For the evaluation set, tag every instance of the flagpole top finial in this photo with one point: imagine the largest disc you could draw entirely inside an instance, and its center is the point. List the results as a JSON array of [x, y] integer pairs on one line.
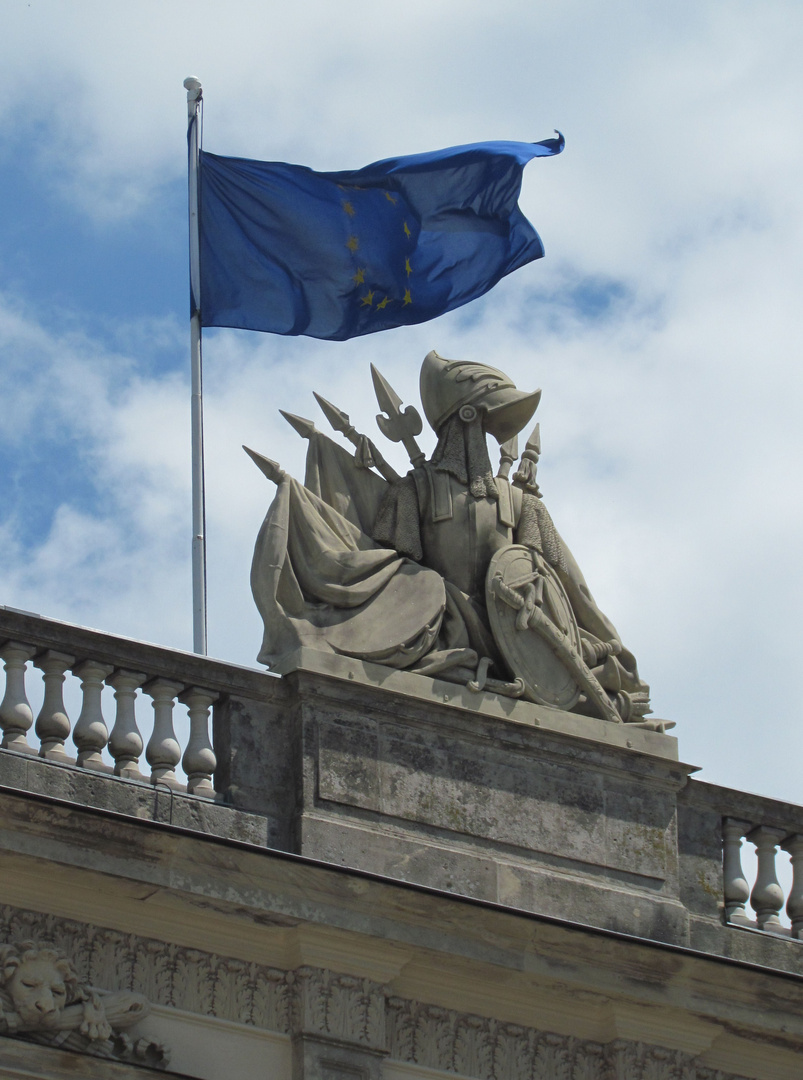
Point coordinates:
[[193, 87]]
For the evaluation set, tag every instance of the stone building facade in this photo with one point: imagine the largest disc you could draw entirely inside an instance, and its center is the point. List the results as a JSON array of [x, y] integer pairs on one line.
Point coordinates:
[[370, 875]]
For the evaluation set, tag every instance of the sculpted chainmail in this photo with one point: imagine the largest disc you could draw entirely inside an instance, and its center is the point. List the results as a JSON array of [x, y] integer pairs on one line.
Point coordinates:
[[397, 522], [463, 453], [537, 530]]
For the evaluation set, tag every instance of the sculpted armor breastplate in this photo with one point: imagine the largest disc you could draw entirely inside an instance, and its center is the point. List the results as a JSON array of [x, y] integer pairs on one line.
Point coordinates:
[[460, 533]]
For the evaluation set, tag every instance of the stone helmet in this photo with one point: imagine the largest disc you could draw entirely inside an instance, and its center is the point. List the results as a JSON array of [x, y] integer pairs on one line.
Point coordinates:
[[449, 386]]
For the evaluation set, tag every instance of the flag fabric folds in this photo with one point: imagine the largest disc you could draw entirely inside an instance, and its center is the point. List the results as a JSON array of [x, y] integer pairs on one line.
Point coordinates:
[[334, 255]]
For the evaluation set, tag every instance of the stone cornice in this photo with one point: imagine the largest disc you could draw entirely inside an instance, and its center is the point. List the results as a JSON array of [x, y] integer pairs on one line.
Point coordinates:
[[350, 1010]]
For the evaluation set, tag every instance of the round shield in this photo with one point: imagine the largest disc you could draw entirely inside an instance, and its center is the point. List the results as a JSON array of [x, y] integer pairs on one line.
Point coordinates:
[[533, 625]]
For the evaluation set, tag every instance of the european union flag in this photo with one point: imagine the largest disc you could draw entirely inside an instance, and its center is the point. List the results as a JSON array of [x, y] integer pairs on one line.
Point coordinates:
[[334, 255]]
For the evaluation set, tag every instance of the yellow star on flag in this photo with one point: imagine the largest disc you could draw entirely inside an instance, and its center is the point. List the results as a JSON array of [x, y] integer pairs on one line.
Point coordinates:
[[391, 198], [407, 267], [359, 277], [407, 232], [349, 208], [407, 298], [368, 299], [383, 303], [352, 244]]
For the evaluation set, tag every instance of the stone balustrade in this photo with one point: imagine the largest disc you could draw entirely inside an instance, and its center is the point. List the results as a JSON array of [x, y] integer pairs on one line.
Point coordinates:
[[91, 735], [299, 762], [138, 742], [766, 897]]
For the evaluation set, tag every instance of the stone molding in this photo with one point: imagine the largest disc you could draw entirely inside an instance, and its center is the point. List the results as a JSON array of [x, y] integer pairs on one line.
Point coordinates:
[[342, 1008]]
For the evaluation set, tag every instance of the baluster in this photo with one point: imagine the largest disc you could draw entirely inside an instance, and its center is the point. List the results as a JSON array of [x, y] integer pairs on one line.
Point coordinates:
[[737, 891], [767, 895], [199, 761], [90, 734], [794, 905], [53, 723], [163, 751], [125, 741], [16, 715]]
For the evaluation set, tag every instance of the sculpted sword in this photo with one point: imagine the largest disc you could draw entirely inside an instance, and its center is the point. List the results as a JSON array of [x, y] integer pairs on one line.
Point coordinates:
[[398, 425]]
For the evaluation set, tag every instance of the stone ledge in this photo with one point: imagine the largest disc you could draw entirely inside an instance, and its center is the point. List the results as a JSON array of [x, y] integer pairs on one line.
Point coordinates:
[[439, 692], [573, 893], [131, 798], [20, 1060]]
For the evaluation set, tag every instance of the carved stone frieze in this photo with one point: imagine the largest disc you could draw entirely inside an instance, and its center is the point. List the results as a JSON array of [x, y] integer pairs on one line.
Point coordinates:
[[437, 1038], [341, 1007], [337, 1008], [42, 1000], [165, 974]]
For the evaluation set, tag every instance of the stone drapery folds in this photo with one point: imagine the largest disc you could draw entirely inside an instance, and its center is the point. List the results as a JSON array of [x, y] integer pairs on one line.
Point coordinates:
[[395, 570]]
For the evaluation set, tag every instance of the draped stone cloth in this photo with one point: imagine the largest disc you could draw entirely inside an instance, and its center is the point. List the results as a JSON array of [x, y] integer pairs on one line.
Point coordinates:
[[320, 580]]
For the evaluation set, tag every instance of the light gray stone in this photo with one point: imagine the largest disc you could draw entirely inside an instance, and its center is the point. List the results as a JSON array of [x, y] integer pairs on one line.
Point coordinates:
[[461, 800], [450, 571]]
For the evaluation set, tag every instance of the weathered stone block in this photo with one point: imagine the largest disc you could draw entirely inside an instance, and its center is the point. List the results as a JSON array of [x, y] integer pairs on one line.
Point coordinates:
[[513, 805]]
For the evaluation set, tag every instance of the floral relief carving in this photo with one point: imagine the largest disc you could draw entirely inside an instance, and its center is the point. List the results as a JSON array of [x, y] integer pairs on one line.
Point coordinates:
[[343, 1007], [514, 1052], [474, 1046], [163, 973]]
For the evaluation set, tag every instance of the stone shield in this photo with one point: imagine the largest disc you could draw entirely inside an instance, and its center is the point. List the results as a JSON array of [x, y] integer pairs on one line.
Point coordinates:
[[534, 625]]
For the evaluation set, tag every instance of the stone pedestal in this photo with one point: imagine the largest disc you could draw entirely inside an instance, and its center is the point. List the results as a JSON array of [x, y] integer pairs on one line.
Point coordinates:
[[474, 794]]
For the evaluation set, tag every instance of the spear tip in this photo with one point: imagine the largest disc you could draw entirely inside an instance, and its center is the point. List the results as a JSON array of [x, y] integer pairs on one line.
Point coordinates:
[[271, 469], [389, 400], [534, 441], [305, 428], [337, 418]]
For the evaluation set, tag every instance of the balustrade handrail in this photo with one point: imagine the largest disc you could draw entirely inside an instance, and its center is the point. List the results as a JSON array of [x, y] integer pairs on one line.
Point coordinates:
[[122, 652], [743, 805]]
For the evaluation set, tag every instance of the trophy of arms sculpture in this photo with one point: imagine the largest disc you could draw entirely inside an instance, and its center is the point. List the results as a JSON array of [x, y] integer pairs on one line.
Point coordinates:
[[452, 571]]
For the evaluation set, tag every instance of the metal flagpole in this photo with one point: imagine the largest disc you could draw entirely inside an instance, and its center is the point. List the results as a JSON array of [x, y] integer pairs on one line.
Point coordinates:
[[194, 105]]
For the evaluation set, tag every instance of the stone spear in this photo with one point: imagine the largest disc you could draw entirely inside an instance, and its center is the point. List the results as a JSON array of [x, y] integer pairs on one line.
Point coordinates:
[[397, 424], [271, 469], [304, 427], [367, 454]]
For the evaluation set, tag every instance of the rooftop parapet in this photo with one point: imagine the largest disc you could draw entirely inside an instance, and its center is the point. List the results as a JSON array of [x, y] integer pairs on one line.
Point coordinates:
[[395, 774]]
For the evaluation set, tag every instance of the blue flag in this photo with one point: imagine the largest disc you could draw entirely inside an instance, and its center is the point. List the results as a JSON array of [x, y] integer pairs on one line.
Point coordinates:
[[334, 255]]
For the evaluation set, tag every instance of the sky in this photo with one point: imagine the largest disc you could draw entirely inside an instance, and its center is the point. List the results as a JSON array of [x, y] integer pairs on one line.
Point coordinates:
[[663, 325]]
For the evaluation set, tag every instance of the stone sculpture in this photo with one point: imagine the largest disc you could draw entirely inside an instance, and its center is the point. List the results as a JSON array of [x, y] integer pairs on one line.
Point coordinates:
[[450, 571], [41, 999]]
